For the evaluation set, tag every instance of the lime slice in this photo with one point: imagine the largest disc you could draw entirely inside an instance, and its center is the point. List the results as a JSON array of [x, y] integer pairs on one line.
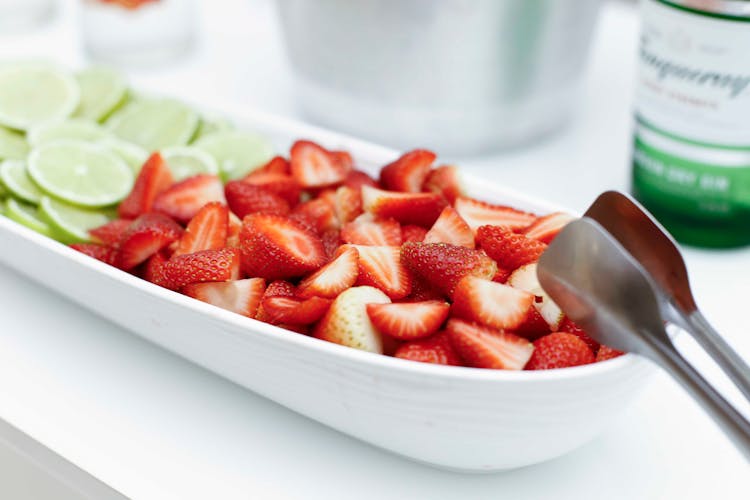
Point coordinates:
[[12, 145], [69, 224], [102, 91], [155, 124], [74, 128], [26, 215], [16, 179], [81, 173], [186, 161], [210, 124], [236, 152], [31, 94], [135, 156], [4, 193]]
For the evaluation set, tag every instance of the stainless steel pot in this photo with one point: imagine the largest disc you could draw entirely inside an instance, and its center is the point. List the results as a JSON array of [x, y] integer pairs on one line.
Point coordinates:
[[459, 76]]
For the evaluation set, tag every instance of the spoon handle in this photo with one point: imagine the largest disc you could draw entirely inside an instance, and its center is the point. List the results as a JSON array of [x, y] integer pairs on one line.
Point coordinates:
[[734, 425]]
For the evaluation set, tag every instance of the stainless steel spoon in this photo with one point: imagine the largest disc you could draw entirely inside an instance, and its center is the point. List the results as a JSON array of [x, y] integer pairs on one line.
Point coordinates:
[[651, 245], [606, 291]]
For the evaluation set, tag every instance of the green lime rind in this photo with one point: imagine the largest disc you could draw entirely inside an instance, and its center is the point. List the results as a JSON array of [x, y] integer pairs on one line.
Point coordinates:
[[187, 161], [237, 152], [103, 90], [81, 173], [154, 124], [26, 215], [15, 177], [72, 128], [134, 155], [70, 224], [34, 93], [12, 145]]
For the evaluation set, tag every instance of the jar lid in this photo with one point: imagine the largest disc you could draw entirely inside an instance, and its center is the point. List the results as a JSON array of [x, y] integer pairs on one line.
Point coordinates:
[[726, 9]]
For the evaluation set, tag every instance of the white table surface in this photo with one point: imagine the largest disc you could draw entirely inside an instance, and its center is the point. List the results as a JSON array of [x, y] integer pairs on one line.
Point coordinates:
[[152, 425]]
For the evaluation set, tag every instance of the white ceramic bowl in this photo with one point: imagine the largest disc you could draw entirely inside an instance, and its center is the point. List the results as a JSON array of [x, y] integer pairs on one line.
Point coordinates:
[[458, 418]]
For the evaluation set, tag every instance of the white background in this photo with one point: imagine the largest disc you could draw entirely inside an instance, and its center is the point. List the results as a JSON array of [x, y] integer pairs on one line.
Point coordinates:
[[151, 425]]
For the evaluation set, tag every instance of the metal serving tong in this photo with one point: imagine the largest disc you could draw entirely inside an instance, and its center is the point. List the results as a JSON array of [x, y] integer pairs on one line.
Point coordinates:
[[619, 275]]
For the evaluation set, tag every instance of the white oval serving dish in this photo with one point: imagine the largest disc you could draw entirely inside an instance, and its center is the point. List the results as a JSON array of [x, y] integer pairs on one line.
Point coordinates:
[[459, 418]]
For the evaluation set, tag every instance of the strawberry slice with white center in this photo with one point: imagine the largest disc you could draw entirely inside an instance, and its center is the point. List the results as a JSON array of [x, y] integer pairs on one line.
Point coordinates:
[[153, 178], [345, 201], [479, 213], [363, 231], [206, 231], [293, 311], [207, 265], [381, 267], [409, 320], [145, 236], [314, 166], [445, 180], [333, 278], [490, 303], [182, 201], [408, 173], [483, 347], [547, 227], [450, 228], [421, 209], [524, 278], [239, 296], [347, 322]]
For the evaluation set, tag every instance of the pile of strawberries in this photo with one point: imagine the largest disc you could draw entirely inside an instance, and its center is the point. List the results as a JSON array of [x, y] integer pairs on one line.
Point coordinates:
[[405, 265]]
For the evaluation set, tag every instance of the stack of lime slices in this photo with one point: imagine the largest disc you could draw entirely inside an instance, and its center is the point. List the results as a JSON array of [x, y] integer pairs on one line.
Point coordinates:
[[71, 145]]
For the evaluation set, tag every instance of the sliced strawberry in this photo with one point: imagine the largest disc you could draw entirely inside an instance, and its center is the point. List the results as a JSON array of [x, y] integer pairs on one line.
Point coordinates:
[[381, 267], [490, 303], [245, 199], [154, 269], [103, 253], [524, 278], [363, 231], [273, 246], [293, 311], [479, 213], [357, 178], [207, 265], [421, 209], [346, 203], [605, 352], [347, 322], [410, 232], [345, 158], [408, 173], [437, 349], [546, 228], [421, 291], [443, 265], [510, 250], [333, 278], [239, 296], [276, 165], [147, 234], [111, 232], [483, 347], [234, 227], [331, 241], [446, 181], [278, 288], [502, 275], [206, 231], [533, 326], [567, 326], [559, 350], [182, 201], [313, 166], [450, 228], [317, 215], [409, 320], [283, 185], [153, 178]]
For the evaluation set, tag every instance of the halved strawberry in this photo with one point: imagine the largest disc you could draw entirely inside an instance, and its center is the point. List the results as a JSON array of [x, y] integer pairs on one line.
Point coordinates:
[[103, 253], [345, 158], [357, 178], [234, 227], [442, 265], [502, 275], [207, 265], [483, 347], [533, 326], [283, 185], [381, 267], [245, 199], [363, 231], [153, 178], [273, 246], [510, 250], [410, 232], [293, 311], [333, 278], [479, 213], [421, 291], [111, 232], [239, 296], [206, 231], [568, 326], [421, 209], [450, 228], [445, 180], [605, 352], [524, 278], [278, 288], [559, 350], [409, 320], [437, 349], [276, 165], [345, 201], [313, 166], [546, 228], [153, 269], [145, 236], [317, 215], [407, 173], [490, 303], [331, 241], [182, 201], [347, 322]]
